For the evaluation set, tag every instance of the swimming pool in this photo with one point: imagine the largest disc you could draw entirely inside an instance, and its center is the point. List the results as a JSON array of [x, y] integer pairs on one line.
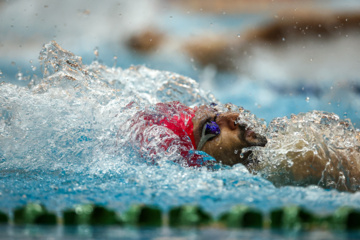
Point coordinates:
[[60, 146], [31, 232]]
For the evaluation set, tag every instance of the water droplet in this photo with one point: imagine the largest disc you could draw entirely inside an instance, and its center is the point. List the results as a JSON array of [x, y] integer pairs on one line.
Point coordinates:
[[307, 99], [19, 76], [319, 35], [311, 59], [283, 39], [96, 53], [239, 35], [32, 66], [345, 114], [115, 61]]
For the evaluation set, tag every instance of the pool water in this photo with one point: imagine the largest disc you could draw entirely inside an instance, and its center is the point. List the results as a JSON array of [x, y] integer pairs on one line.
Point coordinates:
[[31, 232], [61, 146], [61, 138]]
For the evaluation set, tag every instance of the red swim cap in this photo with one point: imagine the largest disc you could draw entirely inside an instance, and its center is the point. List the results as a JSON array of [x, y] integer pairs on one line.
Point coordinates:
[[178, 118]]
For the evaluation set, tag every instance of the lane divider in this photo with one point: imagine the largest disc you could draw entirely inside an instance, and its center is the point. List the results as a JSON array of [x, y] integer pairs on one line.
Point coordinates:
[[90, 214], [188, 216], [142, 215], [34, 214], [285, 218], [243, 217]]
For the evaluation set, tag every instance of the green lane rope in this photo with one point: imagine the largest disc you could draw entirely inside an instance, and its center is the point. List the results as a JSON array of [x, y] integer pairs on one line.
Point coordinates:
[[190, 216], [285, 218]]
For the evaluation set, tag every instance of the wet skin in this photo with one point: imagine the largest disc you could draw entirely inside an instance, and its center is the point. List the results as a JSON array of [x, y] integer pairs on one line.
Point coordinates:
[[227, 146], [308, 167]]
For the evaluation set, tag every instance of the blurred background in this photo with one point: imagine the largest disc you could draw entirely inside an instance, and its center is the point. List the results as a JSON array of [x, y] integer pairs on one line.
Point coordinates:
[[273, 57]]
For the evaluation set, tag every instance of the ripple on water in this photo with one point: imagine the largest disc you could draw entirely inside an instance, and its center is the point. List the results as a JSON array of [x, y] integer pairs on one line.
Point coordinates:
[[60, 144]]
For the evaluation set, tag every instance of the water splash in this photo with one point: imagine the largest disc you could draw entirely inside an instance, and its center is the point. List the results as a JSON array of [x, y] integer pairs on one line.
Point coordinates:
[[60, 144], [72, 115], [311, 148]]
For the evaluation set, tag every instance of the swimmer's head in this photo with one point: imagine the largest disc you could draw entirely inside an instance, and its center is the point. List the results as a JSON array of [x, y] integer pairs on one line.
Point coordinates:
[[219, 135]]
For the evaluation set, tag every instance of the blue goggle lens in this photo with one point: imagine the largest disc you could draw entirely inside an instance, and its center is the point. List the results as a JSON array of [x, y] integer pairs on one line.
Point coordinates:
[[212, 128]]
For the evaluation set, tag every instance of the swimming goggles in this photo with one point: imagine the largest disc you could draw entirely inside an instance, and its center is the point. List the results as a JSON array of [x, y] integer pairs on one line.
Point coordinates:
[[211, 129]]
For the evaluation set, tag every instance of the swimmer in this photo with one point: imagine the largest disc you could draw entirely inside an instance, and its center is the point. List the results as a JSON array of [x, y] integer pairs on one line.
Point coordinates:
[[202, 136], [221, 136]]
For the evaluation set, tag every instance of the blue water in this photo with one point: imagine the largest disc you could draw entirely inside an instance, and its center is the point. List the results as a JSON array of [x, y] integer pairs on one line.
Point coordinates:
[[59, 138], [61, 145], [86, 232], [325, 73]]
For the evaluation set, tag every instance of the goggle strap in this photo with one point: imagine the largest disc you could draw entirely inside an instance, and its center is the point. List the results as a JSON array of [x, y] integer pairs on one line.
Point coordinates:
[[204, 138]]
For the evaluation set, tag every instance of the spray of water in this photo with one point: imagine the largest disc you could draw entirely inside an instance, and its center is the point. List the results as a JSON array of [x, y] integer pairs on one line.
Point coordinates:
[[70, 118], [65, 138], [311, 148]]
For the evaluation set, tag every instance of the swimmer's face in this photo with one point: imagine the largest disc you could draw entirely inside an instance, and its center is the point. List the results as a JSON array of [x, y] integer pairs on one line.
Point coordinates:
[[226, 146]]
